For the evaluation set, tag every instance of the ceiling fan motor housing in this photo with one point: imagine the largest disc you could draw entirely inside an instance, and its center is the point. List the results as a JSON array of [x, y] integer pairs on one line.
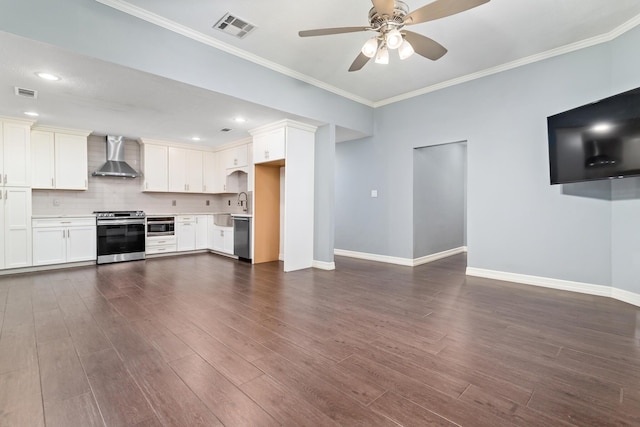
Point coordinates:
[[384, 23]]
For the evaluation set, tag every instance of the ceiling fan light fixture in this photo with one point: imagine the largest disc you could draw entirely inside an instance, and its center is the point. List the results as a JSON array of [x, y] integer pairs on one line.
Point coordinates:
[[383, 56], [370, 47], [394, 39], [405, 50]]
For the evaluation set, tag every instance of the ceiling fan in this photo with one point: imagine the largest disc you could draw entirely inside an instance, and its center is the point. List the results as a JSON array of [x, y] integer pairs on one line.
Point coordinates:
[[388, 18]]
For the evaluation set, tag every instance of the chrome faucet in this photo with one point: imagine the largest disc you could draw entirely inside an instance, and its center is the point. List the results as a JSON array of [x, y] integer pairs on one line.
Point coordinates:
[[244, 205]]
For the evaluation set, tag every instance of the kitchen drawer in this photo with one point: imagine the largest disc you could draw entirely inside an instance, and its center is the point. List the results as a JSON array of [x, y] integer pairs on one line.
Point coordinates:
[[161, 241], [63, 222], [160, 249]]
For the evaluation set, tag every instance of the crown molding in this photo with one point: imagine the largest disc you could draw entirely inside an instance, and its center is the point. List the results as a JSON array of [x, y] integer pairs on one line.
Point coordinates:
[[155, 19], [593, 41], [167, 24]]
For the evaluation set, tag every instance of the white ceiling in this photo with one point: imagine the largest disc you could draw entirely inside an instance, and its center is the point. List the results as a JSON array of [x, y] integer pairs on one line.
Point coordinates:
[[488, 36], [136, 104]]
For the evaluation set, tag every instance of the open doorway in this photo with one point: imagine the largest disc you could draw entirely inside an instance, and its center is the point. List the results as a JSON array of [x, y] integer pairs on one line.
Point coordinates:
[[439, 200]]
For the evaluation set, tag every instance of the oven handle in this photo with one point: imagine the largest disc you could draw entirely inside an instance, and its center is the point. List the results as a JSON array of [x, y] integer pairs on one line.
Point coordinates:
[[149, 221], [120, 222]]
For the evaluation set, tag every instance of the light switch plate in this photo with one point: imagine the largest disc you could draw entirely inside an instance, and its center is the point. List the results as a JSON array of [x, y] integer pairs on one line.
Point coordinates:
[[374, 193]]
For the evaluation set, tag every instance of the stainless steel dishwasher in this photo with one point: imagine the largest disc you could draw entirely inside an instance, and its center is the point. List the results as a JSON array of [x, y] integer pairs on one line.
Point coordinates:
[[242, 237]]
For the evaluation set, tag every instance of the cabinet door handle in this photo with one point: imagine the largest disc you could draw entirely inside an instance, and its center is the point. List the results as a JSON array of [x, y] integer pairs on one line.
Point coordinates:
[[5, 178], [146, 185], [85, 183], [204, 187], [6, 194], [266, 154], [53, 182], [161, 249]]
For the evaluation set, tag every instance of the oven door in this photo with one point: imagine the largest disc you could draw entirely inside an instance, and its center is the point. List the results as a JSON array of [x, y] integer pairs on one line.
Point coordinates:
[[119, 237]]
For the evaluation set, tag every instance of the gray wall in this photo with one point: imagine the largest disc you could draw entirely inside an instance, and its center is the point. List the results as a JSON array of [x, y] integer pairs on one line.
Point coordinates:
[[324, 194], [90, 28], [439, 193], [517, 222]]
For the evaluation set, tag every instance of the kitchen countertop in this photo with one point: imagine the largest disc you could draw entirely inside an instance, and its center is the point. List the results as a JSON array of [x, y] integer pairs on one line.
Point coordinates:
[[63, 216], [187, 213]]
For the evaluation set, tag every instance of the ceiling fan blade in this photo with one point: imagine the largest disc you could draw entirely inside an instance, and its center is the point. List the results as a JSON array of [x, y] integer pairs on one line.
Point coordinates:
[[328, 31], [440, 9], [425, 46], [384, 7], [360, 61]]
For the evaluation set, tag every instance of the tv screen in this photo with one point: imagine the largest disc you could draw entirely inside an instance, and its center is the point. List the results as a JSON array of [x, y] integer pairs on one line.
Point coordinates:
[[596, 141]]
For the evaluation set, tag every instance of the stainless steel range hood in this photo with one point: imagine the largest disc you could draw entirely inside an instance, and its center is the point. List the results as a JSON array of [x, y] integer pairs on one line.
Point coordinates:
[[116, 166]]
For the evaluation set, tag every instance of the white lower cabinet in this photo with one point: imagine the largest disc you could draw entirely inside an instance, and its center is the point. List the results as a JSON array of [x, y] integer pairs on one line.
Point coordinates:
[[160, 245], [63, 240], [222, 239], [191, 232], [202, 228], [15, 214]]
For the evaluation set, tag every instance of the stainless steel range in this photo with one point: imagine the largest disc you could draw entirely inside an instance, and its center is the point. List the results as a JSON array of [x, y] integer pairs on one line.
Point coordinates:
[[121, 236]]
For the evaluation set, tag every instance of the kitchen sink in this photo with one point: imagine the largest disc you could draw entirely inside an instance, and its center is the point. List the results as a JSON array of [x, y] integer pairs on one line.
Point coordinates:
[[223, 220]]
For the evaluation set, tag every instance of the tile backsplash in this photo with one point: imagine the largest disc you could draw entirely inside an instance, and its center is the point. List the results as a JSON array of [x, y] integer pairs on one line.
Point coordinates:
[[110, 193]]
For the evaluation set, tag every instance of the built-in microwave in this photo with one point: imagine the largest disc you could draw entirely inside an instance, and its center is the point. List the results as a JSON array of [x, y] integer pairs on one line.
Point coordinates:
[[161, 226]]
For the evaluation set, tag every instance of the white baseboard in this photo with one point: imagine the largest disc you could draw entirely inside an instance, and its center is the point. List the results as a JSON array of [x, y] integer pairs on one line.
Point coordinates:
[[625, 296], [408, 262], [564, 285], [323, 265], [439, 255], [38, 268], [374, 257]]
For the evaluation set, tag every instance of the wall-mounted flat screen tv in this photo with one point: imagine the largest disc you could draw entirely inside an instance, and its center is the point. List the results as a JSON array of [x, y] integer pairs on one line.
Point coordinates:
[[596, 141]]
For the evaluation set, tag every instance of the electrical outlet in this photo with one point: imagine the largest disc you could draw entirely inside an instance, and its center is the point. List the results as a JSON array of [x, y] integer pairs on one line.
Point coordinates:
[[207, 203], [229, 202], [173, 203]]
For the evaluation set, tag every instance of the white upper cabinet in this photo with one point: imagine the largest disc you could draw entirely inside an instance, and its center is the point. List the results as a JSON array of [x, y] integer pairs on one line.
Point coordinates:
[[42, 160], [177, 170], [71, 162], [59, 159], [185, 170], [155, 167], [236, 157], [212, 180], [15, 153], [194, 174], [269, 146]]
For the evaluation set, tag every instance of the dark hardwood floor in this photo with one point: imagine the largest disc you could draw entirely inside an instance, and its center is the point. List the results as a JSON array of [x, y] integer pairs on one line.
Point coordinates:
[[203, 340]]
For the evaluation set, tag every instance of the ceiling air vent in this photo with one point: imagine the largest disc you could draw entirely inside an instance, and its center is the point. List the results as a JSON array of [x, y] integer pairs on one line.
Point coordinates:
[[225, 130], [233, 25], [27, 93]]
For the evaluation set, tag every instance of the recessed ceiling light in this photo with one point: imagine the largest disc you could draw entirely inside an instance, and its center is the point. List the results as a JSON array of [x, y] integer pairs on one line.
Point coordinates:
[[195, 138], [47, 76], [239, 120], [601, 127], [31, 113]]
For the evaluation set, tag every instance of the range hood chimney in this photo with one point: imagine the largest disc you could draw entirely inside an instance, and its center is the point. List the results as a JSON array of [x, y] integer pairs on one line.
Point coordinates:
[[116, 166]]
